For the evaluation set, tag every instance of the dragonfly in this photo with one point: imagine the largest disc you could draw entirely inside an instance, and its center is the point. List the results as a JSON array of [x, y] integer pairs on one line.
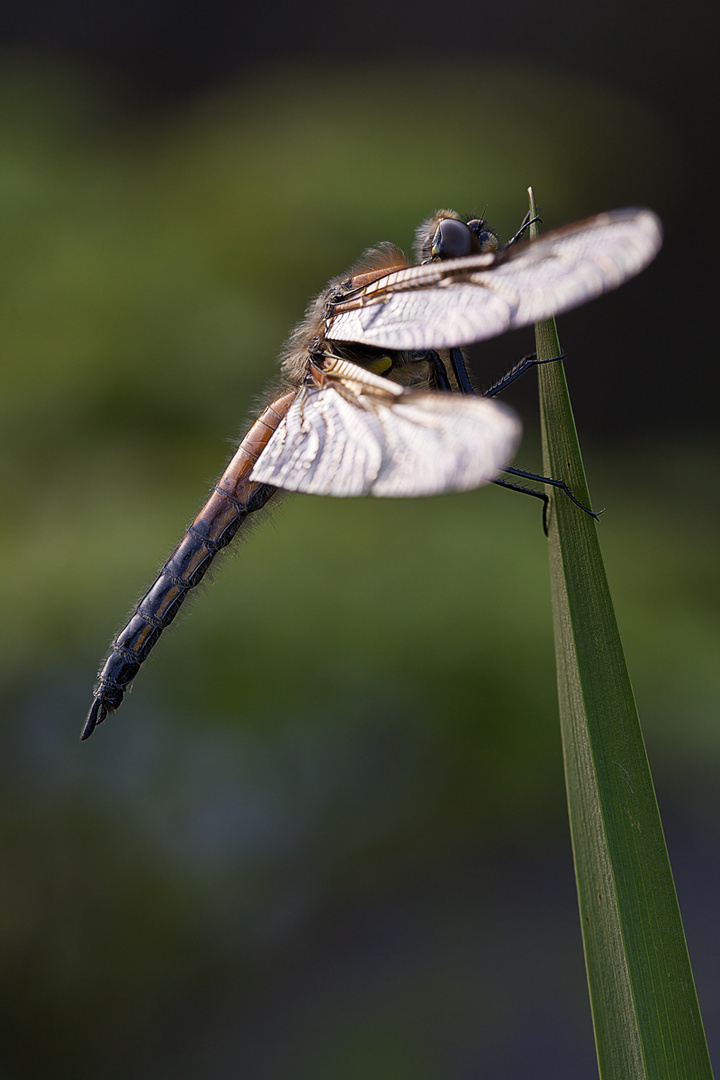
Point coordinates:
[[375, 397]]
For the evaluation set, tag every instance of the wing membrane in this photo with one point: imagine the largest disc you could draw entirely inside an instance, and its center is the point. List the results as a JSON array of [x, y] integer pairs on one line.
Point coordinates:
[[352, 437], [441, 305]]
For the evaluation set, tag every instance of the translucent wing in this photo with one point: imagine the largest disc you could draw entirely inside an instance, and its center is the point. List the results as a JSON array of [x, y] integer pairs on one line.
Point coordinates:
[[440, 305], [362, 435]]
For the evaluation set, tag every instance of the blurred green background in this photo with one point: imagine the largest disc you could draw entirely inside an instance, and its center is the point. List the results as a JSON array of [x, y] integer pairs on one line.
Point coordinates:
[[325, 837]]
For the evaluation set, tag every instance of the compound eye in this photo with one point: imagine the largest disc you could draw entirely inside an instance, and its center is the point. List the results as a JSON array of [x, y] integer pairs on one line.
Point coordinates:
[[487, 239], [453, 240]]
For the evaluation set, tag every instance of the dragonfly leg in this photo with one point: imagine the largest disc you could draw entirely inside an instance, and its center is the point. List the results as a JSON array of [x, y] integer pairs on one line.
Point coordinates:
[[527, 221], [553, 483], [520, 368], [529, 491], [438, 373], [460, 371], [459, 366]]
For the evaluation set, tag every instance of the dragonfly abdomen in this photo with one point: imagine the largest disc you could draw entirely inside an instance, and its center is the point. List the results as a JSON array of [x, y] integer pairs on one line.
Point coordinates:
[[234, 497]]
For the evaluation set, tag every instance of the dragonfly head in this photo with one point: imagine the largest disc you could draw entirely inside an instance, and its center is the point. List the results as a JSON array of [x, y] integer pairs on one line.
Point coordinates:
[[446, 236]]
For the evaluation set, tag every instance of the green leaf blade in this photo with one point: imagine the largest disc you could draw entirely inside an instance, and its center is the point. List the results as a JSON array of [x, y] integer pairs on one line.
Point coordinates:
[[645, 1010]]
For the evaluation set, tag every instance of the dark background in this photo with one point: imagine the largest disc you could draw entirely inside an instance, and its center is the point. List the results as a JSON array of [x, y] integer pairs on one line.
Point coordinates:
[[659, 57], [326, 834]]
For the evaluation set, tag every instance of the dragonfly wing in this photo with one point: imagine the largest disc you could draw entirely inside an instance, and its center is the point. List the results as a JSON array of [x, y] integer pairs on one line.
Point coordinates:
[[442, 305], [428, 318], [333, 442]]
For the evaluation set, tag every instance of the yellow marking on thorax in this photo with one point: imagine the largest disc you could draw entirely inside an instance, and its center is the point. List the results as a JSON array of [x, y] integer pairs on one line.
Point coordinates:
[[379, 366]]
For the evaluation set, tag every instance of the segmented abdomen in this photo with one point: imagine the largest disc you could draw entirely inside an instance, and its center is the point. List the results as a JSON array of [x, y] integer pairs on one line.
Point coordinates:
[[234, 497]]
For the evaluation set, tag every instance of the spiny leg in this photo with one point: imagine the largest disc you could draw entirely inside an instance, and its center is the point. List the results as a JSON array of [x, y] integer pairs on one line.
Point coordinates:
[[457, 360], [529, 491], [527, 221], [527, 362], [439, 376], [460, 371], [459, 366], [553, 483]]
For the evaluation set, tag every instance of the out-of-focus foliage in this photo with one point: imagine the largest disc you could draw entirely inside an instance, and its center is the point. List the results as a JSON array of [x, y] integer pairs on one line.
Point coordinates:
[[362, 704]]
